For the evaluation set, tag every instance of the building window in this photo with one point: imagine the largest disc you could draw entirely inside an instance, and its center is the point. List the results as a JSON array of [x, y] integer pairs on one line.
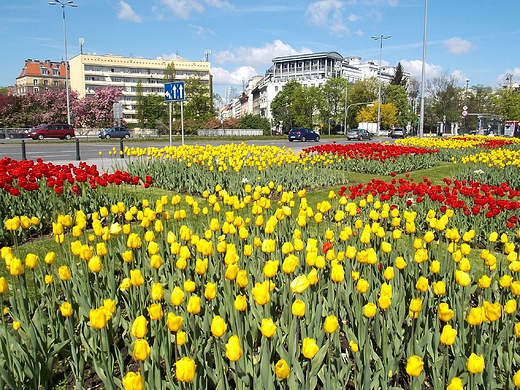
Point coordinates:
[[56, 83], [55, 72], [35, 82], [36, 89], [45, 82]]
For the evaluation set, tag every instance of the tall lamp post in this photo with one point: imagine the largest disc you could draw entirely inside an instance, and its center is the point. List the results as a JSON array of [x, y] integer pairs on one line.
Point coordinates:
[[380, 39], [423, 70], [63, 4]]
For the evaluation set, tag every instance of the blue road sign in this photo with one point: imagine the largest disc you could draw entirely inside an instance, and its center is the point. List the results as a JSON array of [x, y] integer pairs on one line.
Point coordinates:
[[174, 91]]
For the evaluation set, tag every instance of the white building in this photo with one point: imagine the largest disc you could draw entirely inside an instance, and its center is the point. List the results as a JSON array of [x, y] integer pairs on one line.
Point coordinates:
[[310, 70]]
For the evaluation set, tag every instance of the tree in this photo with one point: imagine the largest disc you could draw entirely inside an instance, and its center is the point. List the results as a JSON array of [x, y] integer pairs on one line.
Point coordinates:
[[250, 121], [282, 105], [399, 78], [155, 111], [397, 95], [139, 104], [333, 92], [98, 110], [445, 99], [169, 73], [307, 105], [362, 91], [198, 107], [508, 103], [369, 114]]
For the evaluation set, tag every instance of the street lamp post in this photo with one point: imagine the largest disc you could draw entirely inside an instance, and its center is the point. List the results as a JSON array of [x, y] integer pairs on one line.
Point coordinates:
[[380, 39], [63, 4], [369, 104]]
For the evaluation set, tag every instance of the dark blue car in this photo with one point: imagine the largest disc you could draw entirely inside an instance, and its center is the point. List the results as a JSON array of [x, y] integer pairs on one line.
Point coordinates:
[[303, 134]]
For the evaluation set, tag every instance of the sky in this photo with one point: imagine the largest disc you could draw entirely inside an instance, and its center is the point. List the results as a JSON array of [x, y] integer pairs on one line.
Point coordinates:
[[475, 40]]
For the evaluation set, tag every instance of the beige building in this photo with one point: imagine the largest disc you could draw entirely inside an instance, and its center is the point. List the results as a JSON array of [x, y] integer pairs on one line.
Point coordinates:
[[88, 72], [40, 76]]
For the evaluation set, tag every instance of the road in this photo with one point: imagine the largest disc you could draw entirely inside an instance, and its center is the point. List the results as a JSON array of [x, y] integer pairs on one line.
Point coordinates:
[[62, 152]]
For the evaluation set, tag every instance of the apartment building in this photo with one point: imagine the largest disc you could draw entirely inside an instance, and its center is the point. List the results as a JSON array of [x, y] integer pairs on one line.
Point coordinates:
[[39, 76], [312, 69], [88, 72]]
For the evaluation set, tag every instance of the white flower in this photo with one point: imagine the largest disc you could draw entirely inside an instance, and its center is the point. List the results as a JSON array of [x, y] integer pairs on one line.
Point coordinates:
[[479, 171], [245, 180]]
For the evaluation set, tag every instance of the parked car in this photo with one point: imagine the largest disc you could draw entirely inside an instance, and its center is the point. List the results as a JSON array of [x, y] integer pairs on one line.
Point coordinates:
[[397, 133], [114, 132], [53, 130], [303, 134], [359, 134]]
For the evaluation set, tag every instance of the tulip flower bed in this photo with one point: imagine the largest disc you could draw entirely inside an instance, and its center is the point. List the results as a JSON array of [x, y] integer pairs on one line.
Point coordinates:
[[44, 190], [195, 169], [364, 290], [379, 159]]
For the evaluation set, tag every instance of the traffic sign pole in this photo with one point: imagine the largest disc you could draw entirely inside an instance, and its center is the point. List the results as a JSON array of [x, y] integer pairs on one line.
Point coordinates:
[[174, 92]]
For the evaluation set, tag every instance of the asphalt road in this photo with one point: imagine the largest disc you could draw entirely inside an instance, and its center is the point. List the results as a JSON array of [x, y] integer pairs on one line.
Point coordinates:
[[62, 151]]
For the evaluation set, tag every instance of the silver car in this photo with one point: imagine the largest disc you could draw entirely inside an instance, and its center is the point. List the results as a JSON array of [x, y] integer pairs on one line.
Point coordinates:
[[359, 134]]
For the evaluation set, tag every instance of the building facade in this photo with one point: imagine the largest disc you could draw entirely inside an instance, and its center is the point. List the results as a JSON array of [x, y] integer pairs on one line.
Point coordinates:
[[39, 76], [88, 72], [313, 69]]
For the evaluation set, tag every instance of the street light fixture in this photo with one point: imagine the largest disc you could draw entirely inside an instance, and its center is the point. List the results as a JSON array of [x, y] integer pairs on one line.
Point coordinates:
[[380, 39], [63, 4], [369, 104]]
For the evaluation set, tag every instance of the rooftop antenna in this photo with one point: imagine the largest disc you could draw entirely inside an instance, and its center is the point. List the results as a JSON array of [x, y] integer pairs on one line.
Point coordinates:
[[243, 84], [207, 53], [81, 43], [177, 54]]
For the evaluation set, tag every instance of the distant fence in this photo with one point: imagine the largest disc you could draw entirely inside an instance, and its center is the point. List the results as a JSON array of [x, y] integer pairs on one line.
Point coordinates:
[[229, 132], [80, 133]]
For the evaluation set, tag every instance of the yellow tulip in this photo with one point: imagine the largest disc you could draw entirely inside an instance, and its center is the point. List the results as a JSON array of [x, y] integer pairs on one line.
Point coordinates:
[[157, 292], [31, 260], [98, 319], [510, 306], [16, 267], [233, 349], [439, 288], [136, 278], [4, 287], [174, 322], [49, 258], [185, 369], [414, 365], [218, 326], [338, 273], [484, 281], [492, 311], [475, 316], [156, 261], [155, 311], [389, 273], [455, 384], [261, 294], [180, 338], [141, 349], [140, 327], [271, 268], [448, 335], [309, 347], [66, 309], [64, 273], [300, 284], [194, 305], [211, 291], [400, 263], [462, 278], [95, 264], [282, 369], [362, 286], [384, 302], [422, 284], [353, 346], [516, 379], [416, 305], [331, 324], [369, 310], [298, 308], [268, 327], [133, 381], [177, 296], [475, 363], [240, 303]]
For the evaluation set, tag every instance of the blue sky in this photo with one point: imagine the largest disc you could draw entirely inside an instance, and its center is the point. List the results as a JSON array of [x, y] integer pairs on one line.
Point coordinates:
[[473, 39]]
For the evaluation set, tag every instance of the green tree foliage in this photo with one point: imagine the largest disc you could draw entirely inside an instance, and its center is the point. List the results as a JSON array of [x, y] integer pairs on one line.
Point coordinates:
[[282, 109], [333, 92], [198, 107], [169, 73], [362, 91], [397, 95], [399, 78], [155, 111], [250, 121], [307, 106], [508, 104], [139, 105]]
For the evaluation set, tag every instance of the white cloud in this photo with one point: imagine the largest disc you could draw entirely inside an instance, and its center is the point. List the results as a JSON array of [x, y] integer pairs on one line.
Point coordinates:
[[219, 4], [327, 14], [127, 13], [236, 77], [173, 56], [257, 56], [460, 75], [458, 45], [201, 31], [183, 8], [353, 18], [414, 67]]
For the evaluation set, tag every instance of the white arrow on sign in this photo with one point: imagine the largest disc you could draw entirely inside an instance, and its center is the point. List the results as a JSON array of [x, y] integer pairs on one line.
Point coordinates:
[[464, 113]]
